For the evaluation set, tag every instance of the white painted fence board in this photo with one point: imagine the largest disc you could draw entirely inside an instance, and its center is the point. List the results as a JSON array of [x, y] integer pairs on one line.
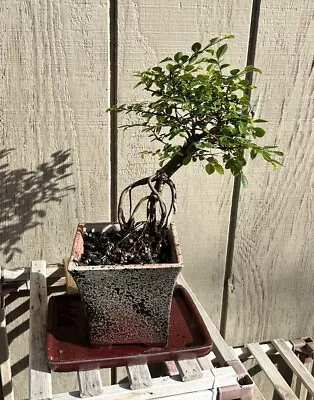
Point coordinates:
[[273, 259], [280, 385], [54, 96], [39, 374], [90, 383], [149, 31]]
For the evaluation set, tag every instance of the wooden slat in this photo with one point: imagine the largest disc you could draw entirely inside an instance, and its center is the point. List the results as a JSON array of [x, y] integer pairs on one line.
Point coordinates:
[[280, 385], [23, 274], [205, 362], [172, 369], [244, 354], [225, 376], [39, 374], [139, 376], [221, 349], [257, 395], [161, 387], [70, 283], [18, 279], [5, 365], [90, 383], [189, 370], [295, 364]]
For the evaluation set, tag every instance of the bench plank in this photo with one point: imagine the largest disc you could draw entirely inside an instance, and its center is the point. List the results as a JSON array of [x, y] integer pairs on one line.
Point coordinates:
[[5, 365], [189, 370], [139, 376], [295, 364], [39, 375], [280, 385], [90, 383]]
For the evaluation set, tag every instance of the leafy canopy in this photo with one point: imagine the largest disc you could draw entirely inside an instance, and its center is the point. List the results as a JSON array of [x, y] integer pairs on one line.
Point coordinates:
[[200, 110]]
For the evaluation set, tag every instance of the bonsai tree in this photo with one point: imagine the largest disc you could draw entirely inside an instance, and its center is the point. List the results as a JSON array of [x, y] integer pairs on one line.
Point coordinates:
[[199, 111]]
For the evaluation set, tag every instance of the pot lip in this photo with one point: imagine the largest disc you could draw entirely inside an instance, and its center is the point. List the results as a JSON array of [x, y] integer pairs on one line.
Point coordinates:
[[72, 265]]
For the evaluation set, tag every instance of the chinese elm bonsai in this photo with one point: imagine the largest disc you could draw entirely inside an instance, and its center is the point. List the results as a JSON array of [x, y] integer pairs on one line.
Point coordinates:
[[199, 111]]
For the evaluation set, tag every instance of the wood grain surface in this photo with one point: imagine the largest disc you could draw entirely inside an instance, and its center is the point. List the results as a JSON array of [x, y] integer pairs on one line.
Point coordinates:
[[272, 278], [54, 150], [148, 32]]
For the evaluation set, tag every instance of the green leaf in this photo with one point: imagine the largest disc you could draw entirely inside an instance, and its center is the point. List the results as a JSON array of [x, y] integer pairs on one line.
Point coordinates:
[[209, 168], [251, 68], [178, 56], [196, 47], [278, 153], [219, 169], [259, 132], [221, 51], [213, 41], [229, 36], [157, 69], [244, 82], [244, 180], [166, 59], [234, 71], [189, 67], [253, 154], [259, 121]]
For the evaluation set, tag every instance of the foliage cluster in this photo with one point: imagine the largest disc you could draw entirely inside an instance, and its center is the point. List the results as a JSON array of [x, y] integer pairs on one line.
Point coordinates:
[[200, 110]]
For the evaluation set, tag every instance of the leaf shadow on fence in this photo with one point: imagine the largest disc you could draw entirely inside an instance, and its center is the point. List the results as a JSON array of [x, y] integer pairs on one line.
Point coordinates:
[[23, 196]]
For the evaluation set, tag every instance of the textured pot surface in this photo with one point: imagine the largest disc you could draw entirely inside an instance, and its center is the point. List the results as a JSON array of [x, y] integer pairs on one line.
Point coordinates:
[[126, 304]]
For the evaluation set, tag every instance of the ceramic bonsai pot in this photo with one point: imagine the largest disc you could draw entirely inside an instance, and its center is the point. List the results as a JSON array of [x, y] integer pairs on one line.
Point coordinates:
[[126, 304]]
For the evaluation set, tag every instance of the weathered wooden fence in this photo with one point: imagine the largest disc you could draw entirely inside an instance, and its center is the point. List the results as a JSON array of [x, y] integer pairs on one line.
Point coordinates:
[[248, 252]]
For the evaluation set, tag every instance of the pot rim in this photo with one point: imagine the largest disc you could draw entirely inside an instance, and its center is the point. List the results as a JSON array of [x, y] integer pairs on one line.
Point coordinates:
[[77, 249]]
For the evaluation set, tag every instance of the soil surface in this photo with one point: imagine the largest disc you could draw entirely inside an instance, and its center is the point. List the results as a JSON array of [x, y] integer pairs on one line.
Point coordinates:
[[144, 246]]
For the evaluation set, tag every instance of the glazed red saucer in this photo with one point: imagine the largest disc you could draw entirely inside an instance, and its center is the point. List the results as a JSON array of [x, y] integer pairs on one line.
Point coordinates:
[[68, 348]]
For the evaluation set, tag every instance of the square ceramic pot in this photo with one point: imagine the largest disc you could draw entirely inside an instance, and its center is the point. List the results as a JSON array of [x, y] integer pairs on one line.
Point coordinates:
[[126, 304]]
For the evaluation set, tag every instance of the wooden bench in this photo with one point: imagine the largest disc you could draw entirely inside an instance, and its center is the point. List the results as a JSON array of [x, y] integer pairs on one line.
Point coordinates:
[[185, 379]]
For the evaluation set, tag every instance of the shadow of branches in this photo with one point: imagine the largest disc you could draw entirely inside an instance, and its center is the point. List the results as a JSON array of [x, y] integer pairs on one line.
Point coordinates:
[[23, 195]]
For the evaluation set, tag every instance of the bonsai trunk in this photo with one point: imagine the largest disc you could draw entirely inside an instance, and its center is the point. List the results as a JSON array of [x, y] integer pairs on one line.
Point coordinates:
[[160, 179]]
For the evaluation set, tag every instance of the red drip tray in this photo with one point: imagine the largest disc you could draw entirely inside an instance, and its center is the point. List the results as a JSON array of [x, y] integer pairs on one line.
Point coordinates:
[[68, 349]]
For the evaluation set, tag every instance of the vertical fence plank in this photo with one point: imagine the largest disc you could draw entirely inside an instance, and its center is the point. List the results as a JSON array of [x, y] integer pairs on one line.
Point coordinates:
[[147, 32], [54, 63], [272, 266]]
